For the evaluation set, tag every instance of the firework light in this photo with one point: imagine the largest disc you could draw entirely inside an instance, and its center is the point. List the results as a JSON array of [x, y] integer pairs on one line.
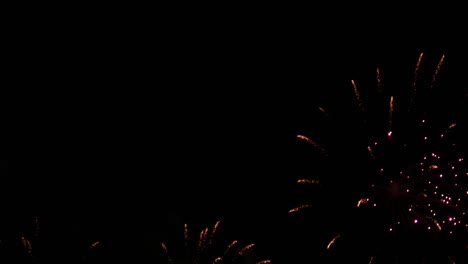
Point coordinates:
[[31, 247], [204, 247], [414, 199]]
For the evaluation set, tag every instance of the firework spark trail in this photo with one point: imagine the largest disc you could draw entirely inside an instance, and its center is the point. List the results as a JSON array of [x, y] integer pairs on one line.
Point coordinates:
[[213, 232], [436, 73], [415, 79], [390, 116], [448, 129], [93, 245], [333, 241], [416, 71], [322, 110], [229, 247], [379, 81], [435, 222], [308, 181], [299, 208], [166, 252], [358, 96], [205, 237], [27, 245], [164, 247], [451, 260], [201, 245], [186, 236], [371, 152], [313, 143], [362, 201], [246, 249]]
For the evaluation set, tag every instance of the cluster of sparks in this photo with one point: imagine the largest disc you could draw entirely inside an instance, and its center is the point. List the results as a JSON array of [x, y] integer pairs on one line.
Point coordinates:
[[201, 250], [429, 193], [438, 198], [434, 188]]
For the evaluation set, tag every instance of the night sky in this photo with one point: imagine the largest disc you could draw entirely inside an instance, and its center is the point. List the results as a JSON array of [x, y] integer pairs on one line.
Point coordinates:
[[138, 132]]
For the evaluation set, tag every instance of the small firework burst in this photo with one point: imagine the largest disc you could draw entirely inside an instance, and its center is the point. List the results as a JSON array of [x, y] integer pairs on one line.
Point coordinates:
[[204, 248], [414, 194]]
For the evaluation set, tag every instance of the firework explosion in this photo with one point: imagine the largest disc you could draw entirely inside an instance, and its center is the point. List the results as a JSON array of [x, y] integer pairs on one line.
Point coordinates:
[[203, 248], [415, 198]]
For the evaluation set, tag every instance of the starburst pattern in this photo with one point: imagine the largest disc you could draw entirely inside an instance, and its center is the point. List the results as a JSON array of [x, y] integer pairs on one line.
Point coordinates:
[[416, 188]]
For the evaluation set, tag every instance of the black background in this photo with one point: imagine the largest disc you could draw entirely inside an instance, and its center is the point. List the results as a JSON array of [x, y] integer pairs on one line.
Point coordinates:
[[125, 127]]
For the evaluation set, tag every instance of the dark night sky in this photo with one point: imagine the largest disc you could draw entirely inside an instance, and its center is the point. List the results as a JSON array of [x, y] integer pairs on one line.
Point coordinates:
[[197, 124]]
